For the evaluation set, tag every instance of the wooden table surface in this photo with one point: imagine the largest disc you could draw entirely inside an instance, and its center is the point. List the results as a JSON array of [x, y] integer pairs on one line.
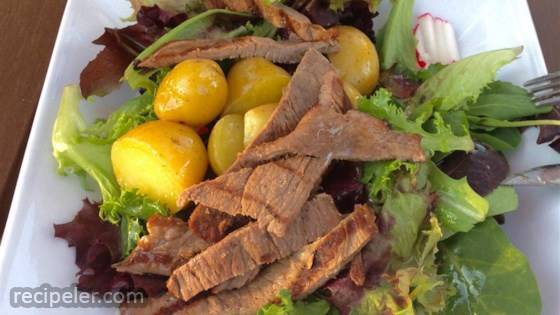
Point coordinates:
[[28, 30]]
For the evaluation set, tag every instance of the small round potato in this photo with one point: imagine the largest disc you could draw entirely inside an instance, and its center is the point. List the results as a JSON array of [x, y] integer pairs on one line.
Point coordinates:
[[226, 141], [194, 92], [255, 120], [356, 59], [160, 159], [254, 82], [353, 94]]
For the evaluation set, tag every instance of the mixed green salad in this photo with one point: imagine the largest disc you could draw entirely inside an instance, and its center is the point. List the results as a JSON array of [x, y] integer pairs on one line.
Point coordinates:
[[445, 252]]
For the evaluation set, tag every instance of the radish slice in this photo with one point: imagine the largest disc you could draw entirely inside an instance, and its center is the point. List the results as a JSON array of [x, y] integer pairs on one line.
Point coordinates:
[[437, 42]]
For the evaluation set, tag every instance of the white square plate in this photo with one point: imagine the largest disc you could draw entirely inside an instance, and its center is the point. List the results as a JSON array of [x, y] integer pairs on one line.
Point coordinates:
[[31, 256]]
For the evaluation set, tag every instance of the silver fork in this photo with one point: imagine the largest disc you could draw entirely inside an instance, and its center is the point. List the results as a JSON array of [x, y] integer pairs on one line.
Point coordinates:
[[546, 89]]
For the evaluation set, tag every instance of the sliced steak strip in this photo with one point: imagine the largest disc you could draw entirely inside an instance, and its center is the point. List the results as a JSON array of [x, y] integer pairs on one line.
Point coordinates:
[[301, 94], [213, 225], [233, 48], [163, 305], [246, 249], [223, 193], [301, 273], [354, 136], [357, 272], [168, 245], [332, 95], [234, 5], [276, 192], [283, 16], [237, 282]]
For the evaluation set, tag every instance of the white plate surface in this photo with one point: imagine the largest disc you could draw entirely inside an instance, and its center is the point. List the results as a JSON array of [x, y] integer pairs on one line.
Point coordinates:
[[30, 256]]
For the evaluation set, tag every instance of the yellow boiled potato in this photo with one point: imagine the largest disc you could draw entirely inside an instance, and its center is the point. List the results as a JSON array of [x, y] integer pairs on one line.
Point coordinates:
[[253, 82], [353, 94], [159, 159], [194, 92], [226, 140], [255, 120], [356, 59]]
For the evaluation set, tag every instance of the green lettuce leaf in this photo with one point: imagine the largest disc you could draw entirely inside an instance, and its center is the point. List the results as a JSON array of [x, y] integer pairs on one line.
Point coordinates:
[[442, 139], [505, 101], [73, 155], [189, 29], [131, 230], [462, 82], [78, 152], [310, 306], [406, 211], [490, 275], [379, 176], [415, 287], [458, 206], [491, 123], [390, 297], [131, 114], [502, 200], [396, 40], [176, 6], [430, 289], [500, 139], [338, 5]]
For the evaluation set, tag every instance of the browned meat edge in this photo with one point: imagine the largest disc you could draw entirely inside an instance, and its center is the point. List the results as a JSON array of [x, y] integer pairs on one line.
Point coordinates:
[[234, 48], [276, 192], [354, 136], [301, 273], [250, 247], [283, 16], [223, 193], [213, 225], [168, 245], [300, 95], [162, 305], [237, 282]]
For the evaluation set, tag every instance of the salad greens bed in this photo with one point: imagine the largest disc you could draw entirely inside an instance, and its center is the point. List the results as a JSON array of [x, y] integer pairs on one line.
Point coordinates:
[[448, 254]]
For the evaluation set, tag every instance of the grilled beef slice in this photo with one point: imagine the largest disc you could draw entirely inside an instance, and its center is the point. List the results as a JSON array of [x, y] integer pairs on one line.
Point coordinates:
[[223, 193], [212, 225], [301, 273], [285, 17], [276, 192], [234, 5], [278, 15], [168, 245], [272, 193], [237, 282], [287, 52], [332, 95], [162, 305], [301, 94], [353, 136], [248, 248]]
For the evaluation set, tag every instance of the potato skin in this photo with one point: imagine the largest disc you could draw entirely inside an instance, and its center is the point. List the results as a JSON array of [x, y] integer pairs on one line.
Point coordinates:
[[225, 142], [353, 94], [255, 120], [160, 159], [194, 92], [254, 82], [357, 59]]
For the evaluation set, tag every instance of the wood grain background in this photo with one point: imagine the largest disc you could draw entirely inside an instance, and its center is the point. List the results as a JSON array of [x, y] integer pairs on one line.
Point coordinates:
[[28, 29]]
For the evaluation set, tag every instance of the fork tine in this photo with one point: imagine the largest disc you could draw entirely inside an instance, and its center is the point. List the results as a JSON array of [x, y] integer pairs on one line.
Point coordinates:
[[543, 79], [543, 87], [546, 96], [550, 101]]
